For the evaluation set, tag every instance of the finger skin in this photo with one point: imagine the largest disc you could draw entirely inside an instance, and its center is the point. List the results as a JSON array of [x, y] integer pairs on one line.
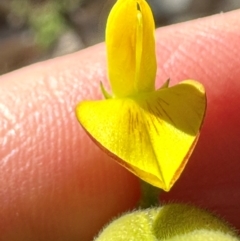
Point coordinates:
[[209, 53], [55, 184]]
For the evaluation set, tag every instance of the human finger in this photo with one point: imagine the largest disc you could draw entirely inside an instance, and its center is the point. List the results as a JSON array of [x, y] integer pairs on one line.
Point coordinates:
[[55, 183]]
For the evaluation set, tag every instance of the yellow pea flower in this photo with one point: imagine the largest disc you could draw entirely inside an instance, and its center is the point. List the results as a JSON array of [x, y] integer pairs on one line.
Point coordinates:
[[150, 132]]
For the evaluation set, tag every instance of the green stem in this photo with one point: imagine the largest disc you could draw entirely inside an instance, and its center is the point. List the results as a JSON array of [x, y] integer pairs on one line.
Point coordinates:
[[149, 195]]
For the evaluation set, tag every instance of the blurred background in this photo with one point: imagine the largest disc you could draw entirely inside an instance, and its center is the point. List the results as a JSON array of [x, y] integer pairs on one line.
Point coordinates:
[[35, 30]]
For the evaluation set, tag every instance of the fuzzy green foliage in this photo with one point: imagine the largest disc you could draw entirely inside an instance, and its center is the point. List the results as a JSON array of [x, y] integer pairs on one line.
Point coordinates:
[[173, 222], [48, 24], [45, 18]]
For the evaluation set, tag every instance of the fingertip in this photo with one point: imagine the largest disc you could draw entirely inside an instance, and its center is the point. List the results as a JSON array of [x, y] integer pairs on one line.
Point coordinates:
[[48, 164], [207, 50]]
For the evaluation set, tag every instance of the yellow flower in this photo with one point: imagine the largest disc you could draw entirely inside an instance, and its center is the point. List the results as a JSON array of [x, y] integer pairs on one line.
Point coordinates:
[[150, 132]]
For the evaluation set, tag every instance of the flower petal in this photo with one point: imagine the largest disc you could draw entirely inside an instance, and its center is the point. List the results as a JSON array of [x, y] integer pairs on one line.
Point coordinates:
[[131, 48], [152, 135], [146, 65]]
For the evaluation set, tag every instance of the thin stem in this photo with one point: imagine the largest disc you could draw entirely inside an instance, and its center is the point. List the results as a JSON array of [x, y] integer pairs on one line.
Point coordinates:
[[149, 195]]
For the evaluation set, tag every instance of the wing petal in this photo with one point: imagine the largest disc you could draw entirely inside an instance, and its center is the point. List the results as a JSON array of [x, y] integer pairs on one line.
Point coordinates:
[[153, 134]]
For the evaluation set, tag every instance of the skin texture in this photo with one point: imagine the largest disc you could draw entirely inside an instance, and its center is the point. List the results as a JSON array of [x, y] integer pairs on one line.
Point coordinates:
[[55, 184]]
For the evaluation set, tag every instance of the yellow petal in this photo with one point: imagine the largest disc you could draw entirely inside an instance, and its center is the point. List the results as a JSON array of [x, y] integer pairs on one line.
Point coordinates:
[[152, 134], [131, 48]]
